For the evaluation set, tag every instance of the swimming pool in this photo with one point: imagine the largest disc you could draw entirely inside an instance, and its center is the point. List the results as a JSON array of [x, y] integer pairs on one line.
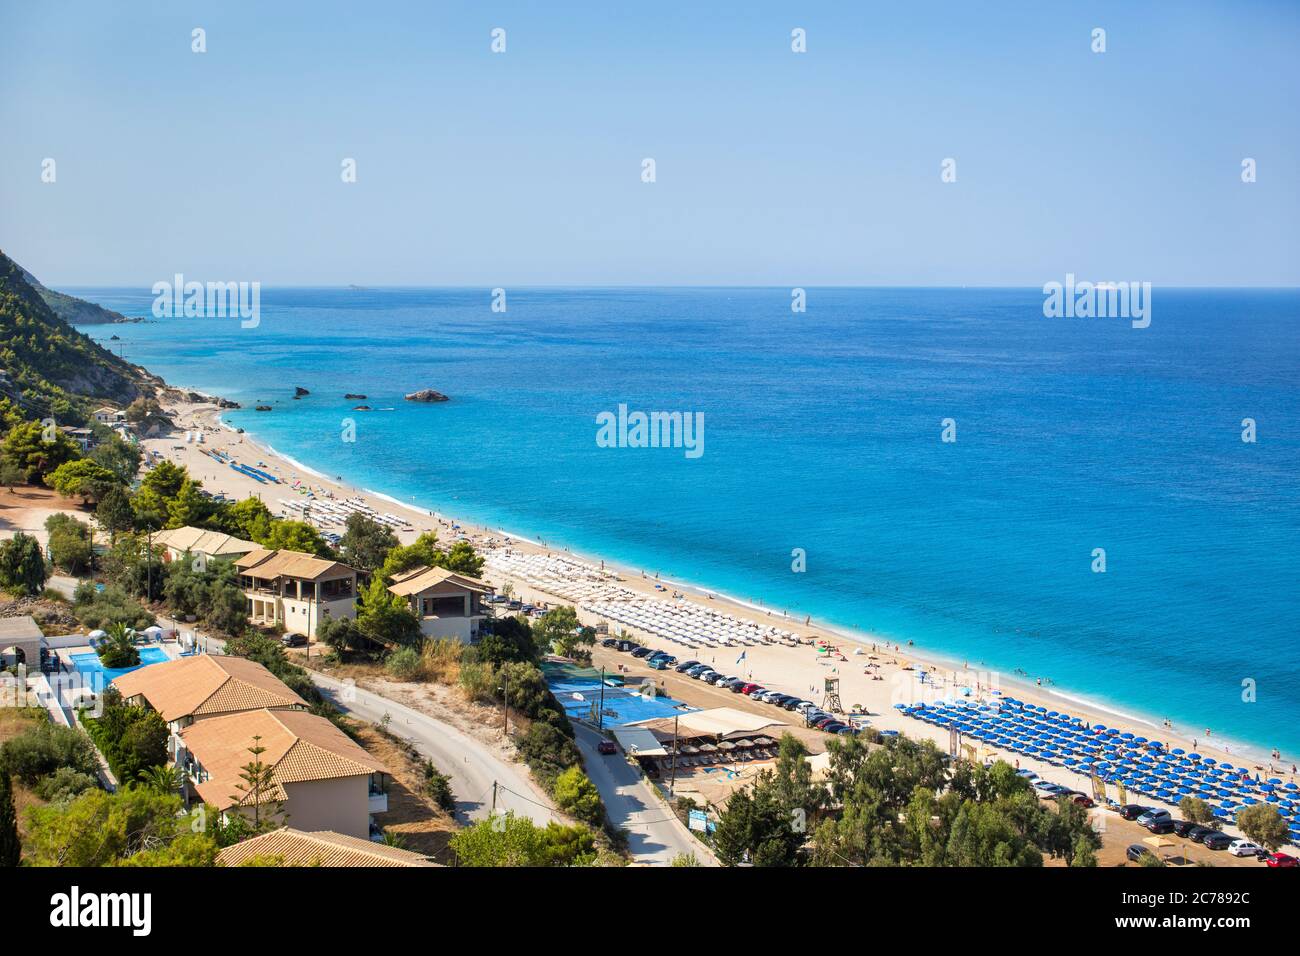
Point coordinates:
[[97, 675]]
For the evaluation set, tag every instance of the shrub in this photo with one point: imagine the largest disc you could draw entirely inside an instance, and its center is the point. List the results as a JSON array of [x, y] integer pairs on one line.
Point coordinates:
[[438, 786], [132, 739], [22, 566], [577, 796], [102, 609], [65, 784], [517, 841], [404, 664], [548, 753], [43, 749], [70, 547]]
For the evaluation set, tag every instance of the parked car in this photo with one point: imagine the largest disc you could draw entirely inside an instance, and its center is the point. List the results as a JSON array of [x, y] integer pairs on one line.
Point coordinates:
[[707, 675], [1136, 851], [685, 666], [804, 706], [1217, 840], [722, 681], [1027, 774], [748, 689], [1244, 848], [641, 652], [1159, 826], [756, 693], [609, 642], [696, 670], [1046, 788], [1131, 811], [770, 696], [834, 727], [658, 663], [1197, 834], [776, 700], [739, 686], [1281, 860], [824, 721], [1153, 815], [294, 640], [1082, 799], [1183, 827], [606, 747], [793, 703]]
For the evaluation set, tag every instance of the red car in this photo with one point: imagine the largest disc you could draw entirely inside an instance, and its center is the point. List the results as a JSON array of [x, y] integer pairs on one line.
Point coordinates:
[[1281, 859], [1082, 800], [606, 747], [749, 689]]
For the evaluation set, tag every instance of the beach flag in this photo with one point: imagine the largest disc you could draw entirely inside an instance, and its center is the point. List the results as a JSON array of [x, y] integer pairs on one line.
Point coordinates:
[[741, 657]]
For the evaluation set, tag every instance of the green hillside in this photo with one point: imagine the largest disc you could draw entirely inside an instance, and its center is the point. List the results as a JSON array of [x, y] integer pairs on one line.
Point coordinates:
[[51, 369]]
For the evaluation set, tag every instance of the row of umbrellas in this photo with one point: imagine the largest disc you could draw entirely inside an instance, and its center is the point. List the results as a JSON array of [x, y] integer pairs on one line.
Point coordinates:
[[1138, 763]]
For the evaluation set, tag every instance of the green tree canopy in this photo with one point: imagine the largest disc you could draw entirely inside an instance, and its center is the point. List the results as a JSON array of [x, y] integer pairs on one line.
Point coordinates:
[[1264, 825], [114, 512], [366, 543], [37, 450], [22, 566], [103, 829], [82, 479]]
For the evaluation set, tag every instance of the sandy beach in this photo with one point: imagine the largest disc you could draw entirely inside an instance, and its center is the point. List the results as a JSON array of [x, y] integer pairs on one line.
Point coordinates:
[[873, 674]]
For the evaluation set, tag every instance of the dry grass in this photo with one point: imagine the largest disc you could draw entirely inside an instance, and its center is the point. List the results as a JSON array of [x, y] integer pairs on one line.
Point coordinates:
[[13, 721], [413, 817], [440, 660]]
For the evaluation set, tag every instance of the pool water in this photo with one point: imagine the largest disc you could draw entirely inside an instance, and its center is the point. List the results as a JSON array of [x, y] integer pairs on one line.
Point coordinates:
[[97, 675]]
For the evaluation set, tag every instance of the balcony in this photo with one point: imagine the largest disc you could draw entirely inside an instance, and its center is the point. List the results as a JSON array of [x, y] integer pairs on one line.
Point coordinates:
[[378, 802]]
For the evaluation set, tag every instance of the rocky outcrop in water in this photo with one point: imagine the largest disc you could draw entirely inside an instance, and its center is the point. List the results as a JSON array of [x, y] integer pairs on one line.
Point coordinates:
[[427, 395]]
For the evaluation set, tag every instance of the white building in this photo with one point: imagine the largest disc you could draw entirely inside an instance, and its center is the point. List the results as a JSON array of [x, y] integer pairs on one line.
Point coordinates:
[[296, 591], [448, 604]]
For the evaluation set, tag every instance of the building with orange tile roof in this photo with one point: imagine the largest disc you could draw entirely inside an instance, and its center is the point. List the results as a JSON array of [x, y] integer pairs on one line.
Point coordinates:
[[448, 604], [320, 779], [293, 847], [205, 686]]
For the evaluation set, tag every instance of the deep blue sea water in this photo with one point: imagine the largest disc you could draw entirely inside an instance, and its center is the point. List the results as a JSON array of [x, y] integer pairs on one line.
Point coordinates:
[[822, 432]]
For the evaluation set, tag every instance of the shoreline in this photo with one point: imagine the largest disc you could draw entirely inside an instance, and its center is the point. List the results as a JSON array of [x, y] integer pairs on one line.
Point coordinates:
[[210, 415]]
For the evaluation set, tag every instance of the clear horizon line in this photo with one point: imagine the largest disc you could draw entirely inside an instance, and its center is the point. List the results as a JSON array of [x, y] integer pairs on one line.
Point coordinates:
[[692, 285]]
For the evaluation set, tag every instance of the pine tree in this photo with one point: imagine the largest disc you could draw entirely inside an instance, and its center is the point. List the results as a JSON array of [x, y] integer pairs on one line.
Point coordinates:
[[114, 512], [258, 778], [10, 847]]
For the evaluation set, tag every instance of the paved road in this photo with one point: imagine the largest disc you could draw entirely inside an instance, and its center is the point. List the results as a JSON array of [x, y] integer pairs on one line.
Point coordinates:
[[471, 766], [655, 835]]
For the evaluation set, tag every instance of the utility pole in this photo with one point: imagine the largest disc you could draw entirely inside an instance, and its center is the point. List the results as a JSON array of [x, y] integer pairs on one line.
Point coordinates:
[[505, 703], [600, 713], [672, 782], [494, 798]]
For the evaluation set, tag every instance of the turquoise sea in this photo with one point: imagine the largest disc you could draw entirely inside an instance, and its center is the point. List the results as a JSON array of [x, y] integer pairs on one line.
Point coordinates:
[[822, 432]]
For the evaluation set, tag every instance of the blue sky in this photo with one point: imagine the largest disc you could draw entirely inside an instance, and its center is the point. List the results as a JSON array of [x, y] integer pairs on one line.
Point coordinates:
[[773, 168]]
